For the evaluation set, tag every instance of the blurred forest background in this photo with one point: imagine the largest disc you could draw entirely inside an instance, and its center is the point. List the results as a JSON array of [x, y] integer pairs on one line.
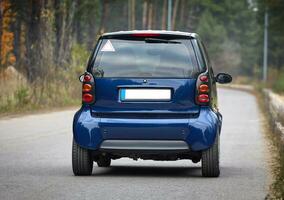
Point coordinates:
[[45, 44]]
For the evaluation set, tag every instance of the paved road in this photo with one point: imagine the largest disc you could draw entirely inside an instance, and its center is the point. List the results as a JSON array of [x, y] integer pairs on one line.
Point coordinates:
[[35, 162]]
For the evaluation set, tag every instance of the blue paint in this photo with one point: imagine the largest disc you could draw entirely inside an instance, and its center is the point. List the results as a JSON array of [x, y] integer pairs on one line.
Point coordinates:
[[108, 91], [198, 129], [199, 133]]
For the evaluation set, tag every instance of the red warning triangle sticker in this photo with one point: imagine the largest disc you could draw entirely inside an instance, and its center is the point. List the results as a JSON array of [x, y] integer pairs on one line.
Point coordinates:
[[108, 47]]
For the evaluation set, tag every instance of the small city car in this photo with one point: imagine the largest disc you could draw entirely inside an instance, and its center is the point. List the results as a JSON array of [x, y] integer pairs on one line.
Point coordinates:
[[148, 95]]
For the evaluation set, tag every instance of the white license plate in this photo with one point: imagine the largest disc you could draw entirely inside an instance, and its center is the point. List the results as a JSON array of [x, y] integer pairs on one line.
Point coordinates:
[[142, 94]]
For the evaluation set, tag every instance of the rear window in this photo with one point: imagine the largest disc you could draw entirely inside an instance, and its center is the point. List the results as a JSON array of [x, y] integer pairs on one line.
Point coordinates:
[[147, 57]]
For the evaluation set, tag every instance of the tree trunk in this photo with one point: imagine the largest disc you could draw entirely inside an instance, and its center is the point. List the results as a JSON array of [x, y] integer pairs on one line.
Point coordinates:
[[64, 18], [33, 40], [68, 39], [59, 30], [104, 15], [183, 4], [132, 14], [1, 29], [164, 15], [77, 24], [144, 16], [154, 14], [175, 14], [17, 40], [150, 15]]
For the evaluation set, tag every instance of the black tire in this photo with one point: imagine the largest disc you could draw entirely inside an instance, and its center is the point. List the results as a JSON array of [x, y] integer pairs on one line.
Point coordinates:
[[103, 161], [82, 162], [210, 160]]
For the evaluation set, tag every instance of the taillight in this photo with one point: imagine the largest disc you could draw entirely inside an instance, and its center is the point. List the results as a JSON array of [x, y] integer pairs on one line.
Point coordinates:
[[87, 87], [203, 78], [203, 98], [87, 98], [88, 93], [202, 93], [87, 78], [203, 88]]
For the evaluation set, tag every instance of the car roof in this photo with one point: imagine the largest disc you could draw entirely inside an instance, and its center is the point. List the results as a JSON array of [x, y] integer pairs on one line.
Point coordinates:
[[162, 32]]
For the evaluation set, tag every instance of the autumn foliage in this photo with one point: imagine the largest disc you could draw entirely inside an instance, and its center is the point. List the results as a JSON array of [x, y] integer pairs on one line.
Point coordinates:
[[7, 37]]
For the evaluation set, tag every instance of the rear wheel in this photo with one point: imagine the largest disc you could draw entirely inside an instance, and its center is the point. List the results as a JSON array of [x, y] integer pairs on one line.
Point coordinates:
[[103, 161], [210, 160], [82, 162]]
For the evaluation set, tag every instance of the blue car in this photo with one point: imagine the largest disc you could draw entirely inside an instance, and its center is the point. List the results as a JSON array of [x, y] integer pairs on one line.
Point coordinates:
[[148, 95]]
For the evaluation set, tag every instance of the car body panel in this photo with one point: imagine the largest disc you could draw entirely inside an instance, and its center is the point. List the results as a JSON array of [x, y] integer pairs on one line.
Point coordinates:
[[107, 95], [199, 133]]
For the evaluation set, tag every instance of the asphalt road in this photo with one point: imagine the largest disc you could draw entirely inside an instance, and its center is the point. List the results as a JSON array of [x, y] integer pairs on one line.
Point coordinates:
[[35, 162]]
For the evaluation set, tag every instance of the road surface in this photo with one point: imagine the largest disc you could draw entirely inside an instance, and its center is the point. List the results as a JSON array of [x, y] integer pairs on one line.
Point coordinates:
[[35, 162]]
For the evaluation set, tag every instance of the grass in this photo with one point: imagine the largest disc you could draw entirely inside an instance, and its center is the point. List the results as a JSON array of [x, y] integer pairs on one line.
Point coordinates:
[[276, 80], [55, 91], [29, 98], [58, 88]]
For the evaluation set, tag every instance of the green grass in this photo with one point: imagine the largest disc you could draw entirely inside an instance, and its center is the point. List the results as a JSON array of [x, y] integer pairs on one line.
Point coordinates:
[[278, 85]]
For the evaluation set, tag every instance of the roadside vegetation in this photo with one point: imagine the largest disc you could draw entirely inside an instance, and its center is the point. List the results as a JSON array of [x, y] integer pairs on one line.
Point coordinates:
[[275, 143], [56, 89]]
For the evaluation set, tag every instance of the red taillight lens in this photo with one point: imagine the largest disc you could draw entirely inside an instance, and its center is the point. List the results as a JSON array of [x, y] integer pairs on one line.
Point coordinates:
[[203, 98], [87, 98], [88, 93], [87, 88], [203, 88], [204, 78], [87, 78]]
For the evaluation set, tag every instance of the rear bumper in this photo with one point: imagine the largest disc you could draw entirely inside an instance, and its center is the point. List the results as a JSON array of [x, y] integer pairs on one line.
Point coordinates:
[[144, 145], [193, 134]]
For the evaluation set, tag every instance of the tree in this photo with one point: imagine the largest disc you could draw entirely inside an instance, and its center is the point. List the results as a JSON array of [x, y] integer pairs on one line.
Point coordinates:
[[164, 15], [176, 5], [6, 36], [104, 15], [144, 15], [64, 19], [276, 28], [214, 40]]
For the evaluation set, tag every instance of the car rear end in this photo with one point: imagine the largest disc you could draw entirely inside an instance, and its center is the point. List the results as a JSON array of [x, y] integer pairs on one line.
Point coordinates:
[[145, 95]]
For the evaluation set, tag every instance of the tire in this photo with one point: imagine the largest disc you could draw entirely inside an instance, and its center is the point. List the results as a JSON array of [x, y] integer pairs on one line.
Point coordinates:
[[103, 161], [210, 160], [82, 162]]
